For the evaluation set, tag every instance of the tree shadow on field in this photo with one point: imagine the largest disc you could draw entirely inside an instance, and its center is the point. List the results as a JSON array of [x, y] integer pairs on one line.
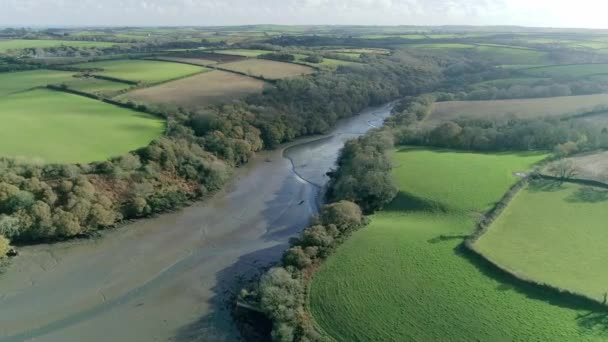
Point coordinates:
[[444, 237], [545, 185], [598, 313], [588, 195], [407, 203]]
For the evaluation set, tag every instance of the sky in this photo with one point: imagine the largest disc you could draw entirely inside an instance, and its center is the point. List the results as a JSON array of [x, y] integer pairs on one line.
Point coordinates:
[[540, 13]]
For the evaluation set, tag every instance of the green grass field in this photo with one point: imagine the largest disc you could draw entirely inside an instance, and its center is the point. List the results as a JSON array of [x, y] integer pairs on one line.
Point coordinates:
[[19, 44], [243, 52], [579, 70], [96, 86], [13, 82], [404, 277], [142, 70], [57, 127], [508, 82], [555, 235]]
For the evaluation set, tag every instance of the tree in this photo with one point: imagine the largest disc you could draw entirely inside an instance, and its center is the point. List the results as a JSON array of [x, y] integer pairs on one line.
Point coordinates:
[[564, 170], [344, 214]]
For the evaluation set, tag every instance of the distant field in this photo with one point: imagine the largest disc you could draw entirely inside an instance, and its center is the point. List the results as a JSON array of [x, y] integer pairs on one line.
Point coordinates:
[[19, 44], [404, 278], [578, 70], [197, 61], [12, 82], [199, 90], [524, 108], [95, 86], [327, 62], [243, 52], [56, 127], [268, 69], [555, 235], [361, 51], [142, 70], [508, 82]]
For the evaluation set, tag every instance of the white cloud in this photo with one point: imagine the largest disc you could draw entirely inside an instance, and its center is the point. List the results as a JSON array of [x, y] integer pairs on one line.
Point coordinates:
[[583, 13]]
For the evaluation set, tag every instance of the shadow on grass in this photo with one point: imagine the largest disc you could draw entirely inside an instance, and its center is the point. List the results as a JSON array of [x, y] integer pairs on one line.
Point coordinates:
[[407, 203], [596, 318], [588, 195], [545, 185], [444, 237]]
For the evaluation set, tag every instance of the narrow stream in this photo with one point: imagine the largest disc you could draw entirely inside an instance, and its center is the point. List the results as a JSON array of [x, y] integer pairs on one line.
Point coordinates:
[[168, 278]]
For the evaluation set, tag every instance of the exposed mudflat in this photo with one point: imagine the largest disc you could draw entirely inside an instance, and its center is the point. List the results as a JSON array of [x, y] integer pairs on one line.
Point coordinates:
[[169, 278]]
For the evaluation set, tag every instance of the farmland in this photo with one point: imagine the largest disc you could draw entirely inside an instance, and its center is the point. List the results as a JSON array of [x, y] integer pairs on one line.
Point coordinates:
[[204, 89], [412, 283], [243, 52], [142, 70], [525, 108], [577, 70], [268, 69], [57, 127], [593, 166], [24, 80], [19, 44], [95, 86], [553, 234], [197, 61]]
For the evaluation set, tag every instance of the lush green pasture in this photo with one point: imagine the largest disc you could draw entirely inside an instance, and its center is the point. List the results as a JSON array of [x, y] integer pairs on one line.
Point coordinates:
[[58, 127], [554, 234], [95, 85], [13, 82], [578, 70], [142, 70], [243, 52], [19, 44], [405, 278]]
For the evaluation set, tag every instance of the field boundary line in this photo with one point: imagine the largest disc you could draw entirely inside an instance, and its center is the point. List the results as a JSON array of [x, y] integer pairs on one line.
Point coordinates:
[[488, 219]]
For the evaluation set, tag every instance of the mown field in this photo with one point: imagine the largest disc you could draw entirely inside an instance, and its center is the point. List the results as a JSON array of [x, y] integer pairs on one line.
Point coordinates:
[[199, 90], [522, 108], [404, 277], [593, 165], [19, 44], [138, 70], [553, 234], [56, 127], [268, 69]]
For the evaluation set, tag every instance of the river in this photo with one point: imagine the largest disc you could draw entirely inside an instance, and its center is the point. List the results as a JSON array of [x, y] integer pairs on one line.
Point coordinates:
[[169, 278]]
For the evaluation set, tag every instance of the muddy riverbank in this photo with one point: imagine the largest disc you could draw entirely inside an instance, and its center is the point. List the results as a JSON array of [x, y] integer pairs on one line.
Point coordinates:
[[167, 278]]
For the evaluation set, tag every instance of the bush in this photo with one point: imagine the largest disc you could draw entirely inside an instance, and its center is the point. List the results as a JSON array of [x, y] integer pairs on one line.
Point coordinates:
[[4, 246], [344, 215]]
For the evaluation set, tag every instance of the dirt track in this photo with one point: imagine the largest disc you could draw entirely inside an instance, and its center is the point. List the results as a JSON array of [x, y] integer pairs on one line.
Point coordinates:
[[168, 278]]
